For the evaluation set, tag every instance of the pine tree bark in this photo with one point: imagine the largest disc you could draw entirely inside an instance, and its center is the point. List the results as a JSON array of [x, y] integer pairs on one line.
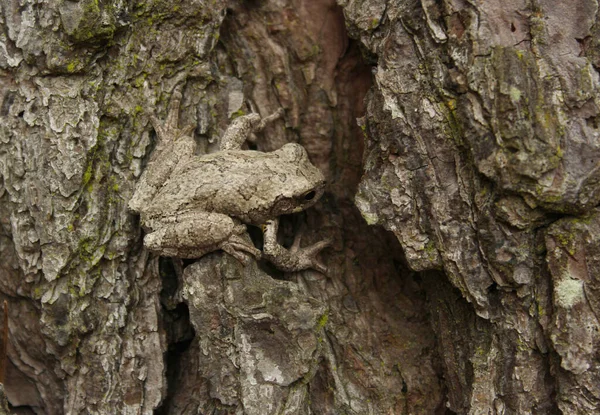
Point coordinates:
[[460, 144]]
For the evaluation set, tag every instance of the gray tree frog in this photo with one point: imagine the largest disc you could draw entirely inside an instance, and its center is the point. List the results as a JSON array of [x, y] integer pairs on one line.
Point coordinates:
[[191, 204]]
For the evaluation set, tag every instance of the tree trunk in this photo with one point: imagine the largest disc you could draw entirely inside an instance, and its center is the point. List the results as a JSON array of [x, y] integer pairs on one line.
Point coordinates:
[[468, 130]]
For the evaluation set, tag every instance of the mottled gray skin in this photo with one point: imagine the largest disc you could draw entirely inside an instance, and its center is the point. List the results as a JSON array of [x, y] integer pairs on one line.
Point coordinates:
[[192, 205]]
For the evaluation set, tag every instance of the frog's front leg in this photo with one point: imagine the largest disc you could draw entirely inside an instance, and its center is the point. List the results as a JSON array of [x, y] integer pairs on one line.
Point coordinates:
[[174, 147], [241, 128], [194, 234], [296, 258]]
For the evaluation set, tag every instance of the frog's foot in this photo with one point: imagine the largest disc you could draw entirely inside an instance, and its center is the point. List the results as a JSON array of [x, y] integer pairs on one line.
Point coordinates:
[[169, 130], [296, 258], [242, 127], [236, 245], [307, 257]]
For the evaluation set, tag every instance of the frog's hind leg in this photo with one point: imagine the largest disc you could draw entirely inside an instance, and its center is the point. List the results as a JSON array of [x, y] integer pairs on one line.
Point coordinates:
[[194, 234], [174, 148], [169, 130]]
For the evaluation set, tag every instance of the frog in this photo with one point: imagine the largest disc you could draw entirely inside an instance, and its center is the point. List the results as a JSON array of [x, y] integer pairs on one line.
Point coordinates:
[[191, 205]]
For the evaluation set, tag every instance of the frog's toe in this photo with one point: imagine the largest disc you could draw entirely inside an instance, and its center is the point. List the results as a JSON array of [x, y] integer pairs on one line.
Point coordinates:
[[169, 129], [307, 257], [297, 259], [239, 248], [312, 250], [236, 254]]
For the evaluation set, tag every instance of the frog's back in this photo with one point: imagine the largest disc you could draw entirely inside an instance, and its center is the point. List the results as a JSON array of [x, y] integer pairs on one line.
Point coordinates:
[[225, 181]]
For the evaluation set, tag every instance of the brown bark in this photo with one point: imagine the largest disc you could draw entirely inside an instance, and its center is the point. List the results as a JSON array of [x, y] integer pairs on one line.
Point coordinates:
[[476, 147]]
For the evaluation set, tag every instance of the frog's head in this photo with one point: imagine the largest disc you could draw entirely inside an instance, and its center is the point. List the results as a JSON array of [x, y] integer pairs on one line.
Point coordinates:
[[304, 183]]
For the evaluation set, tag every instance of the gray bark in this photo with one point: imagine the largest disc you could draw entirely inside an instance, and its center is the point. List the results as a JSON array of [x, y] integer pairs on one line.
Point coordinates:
[[466, 131]]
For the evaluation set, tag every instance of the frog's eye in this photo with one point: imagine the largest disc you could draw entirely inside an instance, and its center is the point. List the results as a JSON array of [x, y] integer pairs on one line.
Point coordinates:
[[310, 195]]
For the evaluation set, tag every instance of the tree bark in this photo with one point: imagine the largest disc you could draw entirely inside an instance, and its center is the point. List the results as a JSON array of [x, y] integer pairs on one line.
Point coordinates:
[[466, 131]]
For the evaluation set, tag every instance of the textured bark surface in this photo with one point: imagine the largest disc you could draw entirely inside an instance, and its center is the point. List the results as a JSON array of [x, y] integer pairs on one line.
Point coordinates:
[[476, 147], [482, 158]]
